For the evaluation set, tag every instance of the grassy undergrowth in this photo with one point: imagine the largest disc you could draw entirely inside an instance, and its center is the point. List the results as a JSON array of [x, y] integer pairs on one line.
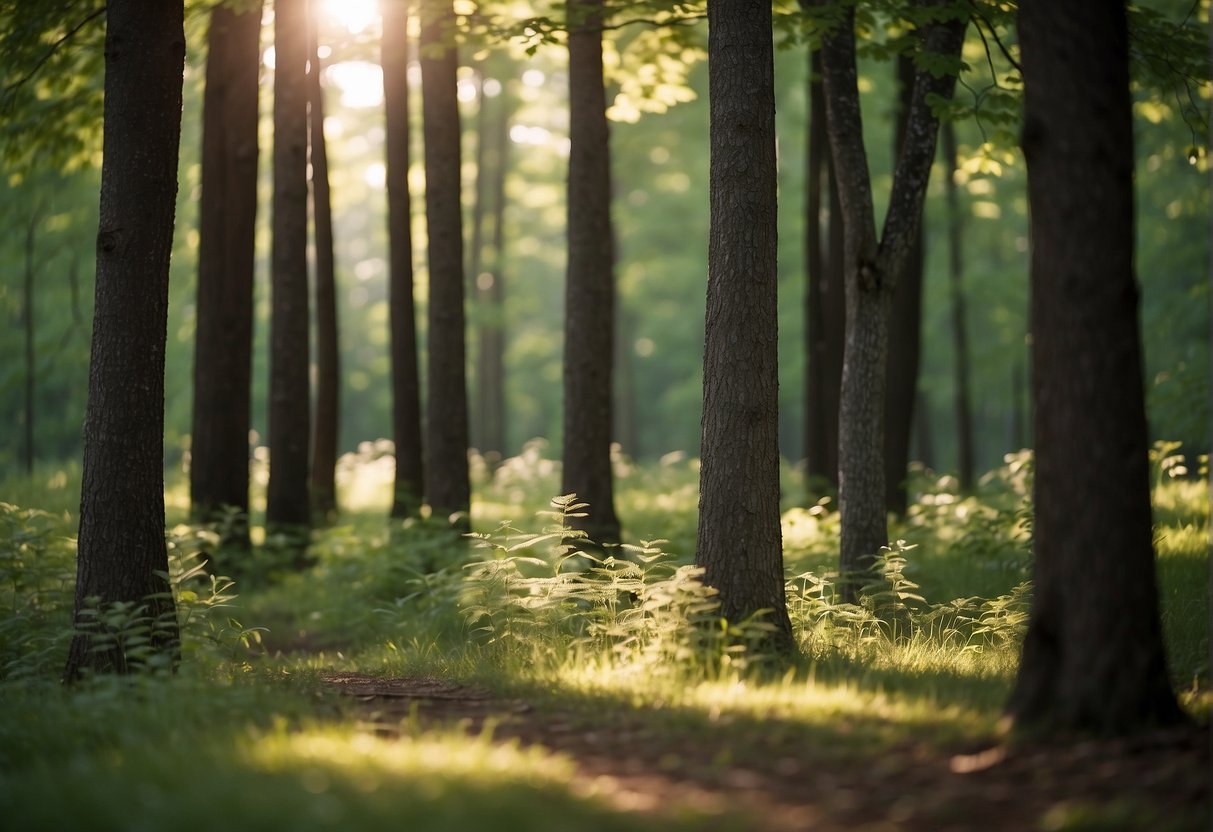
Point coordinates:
[[246, 737]]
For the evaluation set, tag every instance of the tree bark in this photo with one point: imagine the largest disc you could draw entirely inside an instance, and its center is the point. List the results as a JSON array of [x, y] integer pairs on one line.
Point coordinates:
[[1093, 657], [121, 555], [490, 292], [223, 344], [288, 508], [328, 367], [446, 465], [739, 539], [872, 266], [905, 327], [960, 334], [589, 328], [408, 488]]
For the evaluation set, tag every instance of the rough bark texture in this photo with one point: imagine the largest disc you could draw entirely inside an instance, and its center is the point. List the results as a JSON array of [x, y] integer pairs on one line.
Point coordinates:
[[219, 449], [1093, 657], [287, 502], [121, 556], [824, 307], [328, 368], [871, 267], [905, 327], [446, 463], [739, 541], [589, 327], [960, 335], [406, 380]]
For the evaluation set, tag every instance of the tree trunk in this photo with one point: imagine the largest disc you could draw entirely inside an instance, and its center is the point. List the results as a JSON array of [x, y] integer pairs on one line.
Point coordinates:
[[287, 506], [490, 293], [406, 381], [824, 308], [960, 334], [872, 266], [446, 465], [328, 369], [739, 540], [589, 327], [1093, 657], [121, 555], [223, 344], [905, 326], [27, 308]]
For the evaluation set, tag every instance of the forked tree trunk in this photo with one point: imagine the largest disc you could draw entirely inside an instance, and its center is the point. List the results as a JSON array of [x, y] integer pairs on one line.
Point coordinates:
[[408, 487], [960, 334], [589, 328], [223, 344], [1093, 657], [446, 465], [905, 326], [328, 368], [288, 506], [872, 266], [121, 555], [739, 541]]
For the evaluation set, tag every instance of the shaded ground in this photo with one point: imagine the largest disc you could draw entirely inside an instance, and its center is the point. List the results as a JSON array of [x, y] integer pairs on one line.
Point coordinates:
[[773, 780]]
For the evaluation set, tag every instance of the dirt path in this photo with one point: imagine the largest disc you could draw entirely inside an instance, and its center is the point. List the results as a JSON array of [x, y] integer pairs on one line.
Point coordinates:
[[1157, 781]]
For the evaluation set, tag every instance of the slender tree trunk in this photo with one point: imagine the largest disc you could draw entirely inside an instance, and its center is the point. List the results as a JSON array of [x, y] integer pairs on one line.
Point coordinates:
[[960, 333], [406, 380], [491, 296], [27, 307], [446, 465], [905, 325], [328, 368], [740, 542], [1093, 656], [121, 555], [872, 267], [288, 506], [589, 328], [219, 448], [626, 433]]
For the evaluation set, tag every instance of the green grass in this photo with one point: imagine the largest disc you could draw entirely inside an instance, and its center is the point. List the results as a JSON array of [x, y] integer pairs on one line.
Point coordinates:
[[245, 736]]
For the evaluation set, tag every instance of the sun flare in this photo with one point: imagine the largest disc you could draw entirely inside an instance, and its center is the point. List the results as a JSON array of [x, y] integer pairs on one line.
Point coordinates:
[[355, 15]]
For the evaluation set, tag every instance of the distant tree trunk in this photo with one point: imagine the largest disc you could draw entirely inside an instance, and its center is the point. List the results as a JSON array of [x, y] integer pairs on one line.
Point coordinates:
[[626, 433], [490, 293], [872, 267], [219, 448], [960, 334], [121, 554], [446, 465], [328, 369], [739, 541], [1093, 657], [905, 325], [1018, 437], [287, 506], [924, 436], [406, 380], [589, 324], [27, 307], [824, 307]]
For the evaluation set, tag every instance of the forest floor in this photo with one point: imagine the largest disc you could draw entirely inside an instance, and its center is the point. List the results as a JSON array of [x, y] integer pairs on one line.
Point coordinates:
[[774, 781]]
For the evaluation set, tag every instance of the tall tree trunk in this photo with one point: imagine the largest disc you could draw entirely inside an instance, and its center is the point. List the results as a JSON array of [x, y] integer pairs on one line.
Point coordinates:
[[121, 555], [824, 307], [872, 267], [328, 369], [905, 325], [960, 334], [27, 308], [739, 541], [446, 465], [625, 431], [490, 294], [223, 345], [406, 381], [589, 323], [287, 507], [1093, 656]]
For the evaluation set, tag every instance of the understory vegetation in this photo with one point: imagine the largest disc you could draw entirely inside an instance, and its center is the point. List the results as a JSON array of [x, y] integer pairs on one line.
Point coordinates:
[[247, 734]]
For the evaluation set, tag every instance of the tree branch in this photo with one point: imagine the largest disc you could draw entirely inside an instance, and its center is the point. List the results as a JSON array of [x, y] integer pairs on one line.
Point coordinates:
[[10, 88]]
